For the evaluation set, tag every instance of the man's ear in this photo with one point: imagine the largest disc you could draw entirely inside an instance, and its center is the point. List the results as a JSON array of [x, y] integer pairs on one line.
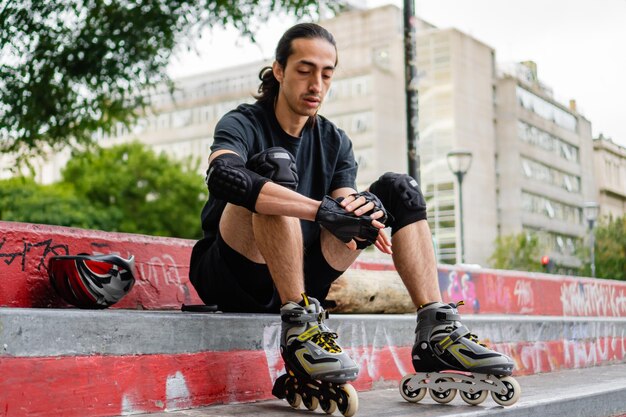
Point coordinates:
[[278, 71]]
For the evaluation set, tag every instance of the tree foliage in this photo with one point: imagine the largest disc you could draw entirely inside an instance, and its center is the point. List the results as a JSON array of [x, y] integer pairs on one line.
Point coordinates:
[[71, 67], [22, 200], [126, 188], [610, 249], [154, 194], [520, 252]]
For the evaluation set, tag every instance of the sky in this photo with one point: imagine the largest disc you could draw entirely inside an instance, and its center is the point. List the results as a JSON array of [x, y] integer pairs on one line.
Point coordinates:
[[579, 47]]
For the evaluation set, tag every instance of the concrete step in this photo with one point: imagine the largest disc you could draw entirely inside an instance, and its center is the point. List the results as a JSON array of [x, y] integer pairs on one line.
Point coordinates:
[[589, 392], [117, 362]]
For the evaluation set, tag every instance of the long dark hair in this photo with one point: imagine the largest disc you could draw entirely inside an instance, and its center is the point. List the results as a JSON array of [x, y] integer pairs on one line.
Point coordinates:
[[268, 89]]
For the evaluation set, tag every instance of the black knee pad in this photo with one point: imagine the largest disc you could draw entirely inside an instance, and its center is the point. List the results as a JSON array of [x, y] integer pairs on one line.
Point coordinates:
[[277, 164], [402, 197]]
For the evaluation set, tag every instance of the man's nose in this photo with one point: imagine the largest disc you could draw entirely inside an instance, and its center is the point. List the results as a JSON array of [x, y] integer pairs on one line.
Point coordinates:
[[315, 84]]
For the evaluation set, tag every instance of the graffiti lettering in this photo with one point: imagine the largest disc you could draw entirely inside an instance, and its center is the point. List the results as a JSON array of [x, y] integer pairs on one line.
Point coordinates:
[[592, 299], [48, 249], [524, 292]]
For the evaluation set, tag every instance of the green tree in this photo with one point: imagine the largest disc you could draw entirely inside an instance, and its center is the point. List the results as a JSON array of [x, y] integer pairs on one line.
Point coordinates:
[[520, 252], [23, 200], [610, 249], [154, 194], [71, 67]]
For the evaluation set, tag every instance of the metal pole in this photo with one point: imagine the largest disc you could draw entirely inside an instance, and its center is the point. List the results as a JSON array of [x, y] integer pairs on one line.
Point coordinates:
[[412, 99], [592, 244], [459, 176]]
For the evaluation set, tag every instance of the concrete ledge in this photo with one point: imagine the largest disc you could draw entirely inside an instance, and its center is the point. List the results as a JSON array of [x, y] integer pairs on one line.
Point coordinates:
[[70, 332], [125, 362]]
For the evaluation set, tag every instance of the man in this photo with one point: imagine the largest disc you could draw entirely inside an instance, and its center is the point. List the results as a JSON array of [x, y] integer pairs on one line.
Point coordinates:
[[284, 219]]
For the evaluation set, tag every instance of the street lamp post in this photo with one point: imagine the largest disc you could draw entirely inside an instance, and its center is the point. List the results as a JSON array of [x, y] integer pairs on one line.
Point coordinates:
[[411, 93], [459, 163], [591, 213]]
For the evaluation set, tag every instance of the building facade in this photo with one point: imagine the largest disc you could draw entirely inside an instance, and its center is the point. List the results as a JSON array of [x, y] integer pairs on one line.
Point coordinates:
[[544, 162], [610, 172]]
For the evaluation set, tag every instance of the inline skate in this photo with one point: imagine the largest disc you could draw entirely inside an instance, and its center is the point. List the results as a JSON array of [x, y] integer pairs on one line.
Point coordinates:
[[447, 358], [317, 368]]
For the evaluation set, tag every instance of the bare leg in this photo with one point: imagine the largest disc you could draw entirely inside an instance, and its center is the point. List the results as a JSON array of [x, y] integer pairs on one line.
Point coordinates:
[[236, 230], [279, 240], [414, 259], [336, 252], [275, 240]]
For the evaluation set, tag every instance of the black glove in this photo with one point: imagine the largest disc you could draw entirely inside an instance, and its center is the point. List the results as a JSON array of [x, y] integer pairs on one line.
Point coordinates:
[[378, 206], [345, 226]]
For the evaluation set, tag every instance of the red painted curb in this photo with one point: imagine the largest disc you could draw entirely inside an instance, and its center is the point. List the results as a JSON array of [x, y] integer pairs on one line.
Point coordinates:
[[94, 386]]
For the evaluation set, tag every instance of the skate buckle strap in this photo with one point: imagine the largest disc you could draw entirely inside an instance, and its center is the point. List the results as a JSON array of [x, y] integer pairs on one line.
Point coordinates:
[[322, 316], [299, 317], [450, 339], [446, 316]]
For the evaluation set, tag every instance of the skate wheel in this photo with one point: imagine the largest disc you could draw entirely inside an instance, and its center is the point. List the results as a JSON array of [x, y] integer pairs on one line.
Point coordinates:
[[310, 402], [291, 393], [348, 402], [407, 394], [440, 396], [293, 398], [512, 394], [474, 398], [328, 406]]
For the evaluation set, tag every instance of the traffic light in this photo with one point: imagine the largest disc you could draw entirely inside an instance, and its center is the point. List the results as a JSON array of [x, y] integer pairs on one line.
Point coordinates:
[[547, 263]]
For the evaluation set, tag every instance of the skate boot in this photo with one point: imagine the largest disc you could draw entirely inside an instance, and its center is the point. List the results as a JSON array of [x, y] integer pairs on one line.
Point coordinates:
[[447, 357], [317, 368]]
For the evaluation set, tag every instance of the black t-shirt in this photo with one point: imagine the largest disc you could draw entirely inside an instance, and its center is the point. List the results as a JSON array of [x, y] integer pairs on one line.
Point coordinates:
[[323, 156]]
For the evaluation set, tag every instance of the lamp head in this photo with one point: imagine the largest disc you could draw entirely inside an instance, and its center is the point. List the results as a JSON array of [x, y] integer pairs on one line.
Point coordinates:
[[592, 210], [459, 161]]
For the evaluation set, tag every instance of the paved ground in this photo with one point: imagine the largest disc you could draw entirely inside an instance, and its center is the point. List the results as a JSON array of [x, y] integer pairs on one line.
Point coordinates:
[[592, 392]]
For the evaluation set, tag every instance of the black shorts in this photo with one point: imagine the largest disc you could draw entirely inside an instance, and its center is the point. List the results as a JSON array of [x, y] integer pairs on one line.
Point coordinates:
[[225, 278]]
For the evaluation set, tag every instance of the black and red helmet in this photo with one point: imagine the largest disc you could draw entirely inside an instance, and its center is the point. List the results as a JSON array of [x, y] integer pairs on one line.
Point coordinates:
[[87, 281]]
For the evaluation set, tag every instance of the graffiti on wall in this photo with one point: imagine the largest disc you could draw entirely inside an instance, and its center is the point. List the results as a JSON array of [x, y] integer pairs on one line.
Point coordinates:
[[39, 250], [458, 285], [592, 299]]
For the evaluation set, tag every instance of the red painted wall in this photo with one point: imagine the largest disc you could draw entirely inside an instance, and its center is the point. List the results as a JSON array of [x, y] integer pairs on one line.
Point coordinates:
[[163, 282], [162, 265]]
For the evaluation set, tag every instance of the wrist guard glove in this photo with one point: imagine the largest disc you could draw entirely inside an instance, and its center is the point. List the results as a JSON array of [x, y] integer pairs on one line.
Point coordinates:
[[343, 225], [378, 206]]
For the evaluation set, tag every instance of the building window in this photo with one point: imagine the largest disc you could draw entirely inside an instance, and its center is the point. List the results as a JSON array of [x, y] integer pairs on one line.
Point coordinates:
[[552, 209], [548, 175], [546, 109], [540, 138]]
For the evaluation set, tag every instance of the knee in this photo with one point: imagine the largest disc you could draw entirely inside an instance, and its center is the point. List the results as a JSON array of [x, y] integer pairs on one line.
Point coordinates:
[[402, 197], [277, 164]]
